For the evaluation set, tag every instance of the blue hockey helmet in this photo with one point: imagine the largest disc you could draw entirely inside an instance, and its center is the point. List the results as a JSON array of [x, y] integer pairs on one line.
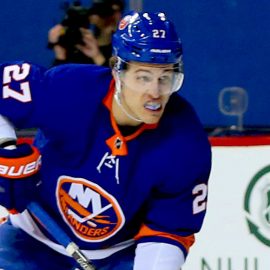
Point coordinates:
[[147, 37]]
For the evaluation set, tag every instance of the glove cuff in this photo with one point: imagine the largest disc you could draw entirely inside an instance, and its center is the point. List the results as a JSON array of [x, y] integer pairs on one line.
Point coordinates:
[[19, 163]]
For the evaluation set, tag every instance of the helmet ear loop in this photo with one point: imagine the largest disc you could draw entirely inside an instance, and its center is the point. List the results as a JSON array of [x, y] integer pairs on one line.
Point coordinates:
[[179, 82], [117, 84], [117, 76]]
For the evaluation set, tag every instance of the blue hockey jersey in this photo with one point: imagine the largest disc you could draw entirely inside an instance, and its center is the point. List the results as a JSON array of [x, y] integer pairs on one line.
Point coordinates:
[[102, 187]]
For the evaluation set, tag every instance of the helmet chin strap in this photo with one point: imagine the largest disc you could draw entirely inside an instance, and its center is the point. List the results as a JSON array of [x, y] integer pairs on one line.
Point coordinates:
[[118, 100]]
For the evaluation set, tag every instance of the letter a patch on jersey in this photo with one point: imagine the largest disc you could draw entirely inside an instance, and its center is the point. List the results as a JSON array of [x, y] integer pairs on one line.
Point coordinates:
[[92, 213]]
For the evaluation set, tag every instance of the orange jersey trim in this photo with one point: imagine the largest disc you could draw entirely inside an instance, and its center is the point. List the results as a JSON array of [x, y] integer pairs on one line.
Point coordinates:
[[16, 168], [111, 142], [186, 241]]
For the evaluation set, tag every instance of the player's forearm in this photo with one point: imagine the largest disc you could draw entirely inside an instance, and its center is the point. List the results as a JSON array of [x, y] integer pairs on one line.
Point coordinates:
[[158, 256]]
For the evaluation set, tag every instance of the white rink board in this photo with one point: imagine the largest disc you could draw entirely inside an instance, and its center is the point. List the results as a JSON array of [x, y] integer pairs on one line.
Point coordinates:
[[225, 241]]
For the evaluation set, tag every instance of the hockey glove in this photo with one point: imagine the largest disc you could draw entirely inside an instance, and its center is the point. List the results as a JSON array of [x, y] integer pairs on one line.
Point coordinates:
[[19, 177]]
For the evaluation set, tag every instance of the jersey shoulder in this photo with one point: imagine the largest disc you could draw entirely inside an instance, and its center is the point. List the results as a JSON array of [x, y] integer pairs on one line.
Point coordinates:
[[79, 72], [181, 117], [71, 83], [184, 143]]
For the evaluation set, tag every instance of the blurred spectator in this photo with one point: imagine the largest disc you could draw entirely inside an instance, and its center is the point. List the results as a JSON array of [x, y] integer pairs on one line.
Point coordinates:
[[84, 36]]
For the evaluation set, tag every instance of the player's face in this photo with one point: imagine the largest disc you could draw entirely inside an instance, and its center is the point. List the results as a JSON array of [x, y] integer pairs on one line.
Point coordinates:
[[145, 90]]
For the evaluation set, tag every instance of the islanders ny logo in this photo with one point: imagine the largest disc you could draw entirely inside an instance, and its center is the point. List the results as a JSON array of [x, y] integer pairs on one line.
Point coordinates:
[[257, 205], [92, 214]]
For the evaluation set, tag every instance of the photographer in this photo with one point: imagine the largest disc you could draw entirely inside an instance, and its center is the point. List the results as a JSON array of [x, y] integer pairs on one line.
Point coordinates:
[[84, 36]]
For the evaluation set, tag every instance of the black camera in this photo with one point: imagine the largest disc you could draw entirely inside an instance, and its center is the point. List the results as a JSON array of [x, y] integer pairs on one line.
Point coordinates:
[[76, 17]]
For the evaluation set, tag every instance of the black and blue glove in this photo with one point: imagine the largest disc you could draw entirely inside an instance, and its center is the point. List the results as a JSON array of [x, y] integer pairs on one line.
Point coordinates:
[[19, 176]]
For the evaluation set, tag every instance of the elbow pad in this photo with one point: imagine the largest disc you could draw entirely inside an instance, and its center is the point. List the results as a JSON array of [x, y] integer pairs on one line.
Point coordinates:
[[7, 131]]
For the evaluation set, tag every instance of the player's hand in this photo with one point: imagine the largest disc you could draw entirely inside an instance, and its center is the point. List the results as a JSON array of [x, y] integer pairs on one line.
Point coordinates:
[[19, 176], [90, 47]]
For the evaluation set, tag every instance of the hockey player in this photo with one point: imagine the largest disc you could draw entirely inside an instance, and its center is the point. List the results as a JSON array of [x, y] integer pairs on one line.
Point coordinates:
[[126, 166]]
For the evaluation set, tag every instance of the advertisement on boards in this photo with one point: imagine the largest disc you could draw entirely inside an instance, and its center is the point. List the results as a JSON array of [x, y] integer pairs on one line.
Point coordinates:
[[236, 231]]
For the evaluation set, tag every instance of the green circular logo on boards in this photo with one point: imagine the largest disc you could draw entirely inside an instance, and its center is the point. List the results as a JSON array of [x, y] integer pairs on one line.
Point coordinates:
[[257, 206]]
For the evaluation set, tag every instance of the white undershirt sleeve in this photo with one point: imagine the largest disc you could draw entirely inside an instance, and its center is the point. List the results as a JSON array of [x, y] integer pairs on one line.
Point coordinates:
[[158, 256]]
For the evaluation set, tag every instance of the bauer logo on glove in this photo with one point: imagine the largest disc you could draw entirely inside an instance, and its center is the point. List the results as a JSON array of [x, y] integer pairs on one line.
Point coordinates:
[[19, 176]]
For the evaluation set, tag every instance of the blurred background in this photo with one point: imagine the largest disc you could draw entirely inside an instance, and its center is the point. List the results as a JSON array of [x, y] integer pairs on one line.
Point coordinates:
[[226, 55], [226, 44]]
